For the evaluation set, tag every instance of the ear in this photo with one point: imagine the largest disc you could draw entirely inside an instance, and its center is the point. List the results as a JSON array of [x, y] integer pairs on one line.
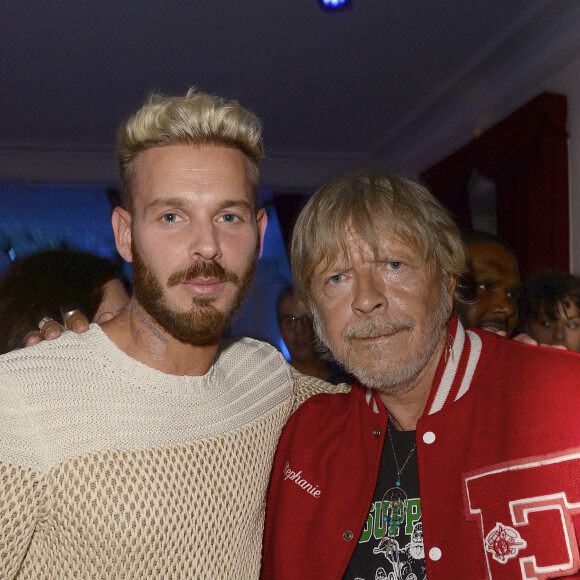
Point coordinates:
[[262, 221], [121, 222]]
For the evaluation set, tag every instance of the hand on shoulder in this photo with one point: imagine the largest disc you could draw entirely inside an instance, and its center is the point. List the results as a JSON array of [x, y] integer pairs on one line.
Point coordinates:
[[49, 329], [527, 339]]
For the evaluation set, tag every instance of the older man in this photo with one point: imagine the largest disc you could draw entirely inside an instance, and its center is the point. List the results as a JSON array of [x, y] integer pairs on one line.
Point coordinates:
[[142, 448], [452, 456]]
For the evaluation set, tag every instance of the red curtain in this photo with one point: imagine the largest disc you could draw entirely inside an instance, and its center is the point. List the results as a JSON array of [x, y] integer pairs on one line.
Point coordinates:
[[526, 156]]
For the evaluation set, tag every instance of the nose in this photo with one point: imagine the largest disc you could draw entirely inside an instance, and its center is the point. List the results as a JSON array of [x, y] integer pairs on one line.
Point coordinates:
[[204, 241], [368, 294], [558, 333], [503, 305]]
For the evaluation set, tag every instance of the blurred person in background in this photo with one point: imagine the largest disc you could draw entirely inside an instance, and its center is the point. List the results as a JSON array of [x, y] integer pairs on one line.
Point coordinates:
[[495, 284], [550, 308], [50, 283], [306, 352]]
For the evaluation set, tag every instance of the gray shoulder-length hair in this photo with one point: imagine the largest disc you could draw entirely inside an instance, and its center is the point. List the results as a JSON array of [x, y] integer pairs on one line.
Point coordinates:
[[368, 201]]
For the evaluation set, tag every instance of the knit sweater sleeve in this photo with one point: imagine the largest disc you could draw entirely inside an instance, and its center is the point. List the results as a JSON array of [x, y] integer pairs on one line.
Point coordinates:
[[22, 484], [307, 386]]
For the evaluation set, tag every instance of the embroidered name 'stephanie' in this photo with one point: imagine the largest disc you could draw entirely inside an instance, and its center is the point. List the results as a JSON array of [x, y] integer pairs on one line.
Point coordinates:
[[296, 477]]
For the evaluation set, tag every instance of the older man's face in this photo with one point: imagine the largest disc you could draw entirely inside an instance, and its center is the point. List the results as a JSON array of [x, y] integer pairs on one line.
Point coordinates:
[[382, 317]]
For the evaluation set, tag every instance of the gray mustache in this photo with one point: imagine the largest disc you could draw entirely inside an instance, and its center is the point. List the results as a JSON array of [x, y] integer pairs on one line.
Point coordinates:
[[373, 326]]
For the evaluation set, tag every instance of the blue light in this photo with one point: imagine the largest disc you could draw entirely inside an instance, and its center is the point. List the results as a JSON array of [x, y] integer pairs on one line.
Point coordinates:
[[283, 349], [332, 5]]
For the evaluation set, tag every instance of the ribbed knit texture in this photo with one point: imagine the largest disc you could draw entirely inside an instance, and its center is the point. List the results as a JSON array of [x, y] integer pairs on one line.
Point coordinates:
[[111, 469]]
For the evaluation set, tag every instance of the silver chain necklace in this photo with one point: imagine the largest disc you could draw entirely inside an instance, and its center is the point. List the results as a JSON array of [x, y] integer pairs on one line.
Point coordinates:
[[399, 469], [394, 502]]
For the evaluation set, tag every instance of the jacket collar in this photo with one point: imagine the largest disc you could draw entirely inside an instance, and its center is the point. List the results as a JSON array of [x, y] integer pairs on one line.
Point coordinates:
[[453, 377]]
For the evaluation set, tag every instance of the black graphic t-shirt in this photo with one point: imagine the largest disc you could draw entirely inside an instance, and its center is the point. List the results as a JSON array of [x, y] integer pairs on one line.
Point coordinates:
[[406, 558]]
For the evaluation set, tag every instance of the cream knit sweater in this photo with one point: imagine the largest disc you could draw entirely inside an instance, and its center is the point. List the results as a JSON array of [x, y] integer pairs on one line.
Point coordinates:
[[112, 469]]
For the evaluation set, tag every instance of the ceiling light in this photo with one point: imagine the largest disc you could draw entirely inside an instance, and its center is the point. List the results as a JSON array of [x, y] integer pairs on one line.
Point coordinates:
[[334, 5]]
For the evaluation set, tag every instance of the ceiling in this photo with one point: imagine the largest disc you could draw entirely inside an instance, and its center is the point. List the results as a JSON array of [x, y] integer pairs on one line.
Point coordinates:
[[396, 83]]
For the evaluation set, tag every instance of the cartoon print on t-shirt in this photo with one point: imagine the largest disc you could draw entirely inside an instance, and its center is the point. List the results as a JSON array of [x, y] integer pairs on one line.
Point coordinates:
[[409, 562]]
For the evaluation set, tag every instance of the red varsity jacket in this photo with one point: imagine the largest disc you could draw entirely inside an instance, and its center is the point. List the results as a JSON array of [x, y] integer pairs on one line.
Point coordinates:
[[498, 450]]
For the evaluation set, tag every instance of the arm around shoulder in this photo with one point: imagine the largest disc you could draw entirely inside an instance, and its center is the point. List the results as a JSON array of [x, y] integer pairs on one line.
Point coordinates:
[[307, 386]]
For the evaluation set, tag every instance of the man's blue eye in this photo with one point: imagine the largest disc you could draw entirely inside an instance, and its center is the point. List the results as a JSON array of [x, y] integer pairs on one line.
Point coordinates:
[[170, 217]]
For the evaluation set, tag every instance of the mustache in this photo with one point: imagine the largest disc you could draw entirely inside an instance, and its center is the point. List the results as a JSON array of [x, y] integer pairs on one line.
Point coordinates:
[[373, 326], [203, 269], [502, 323]]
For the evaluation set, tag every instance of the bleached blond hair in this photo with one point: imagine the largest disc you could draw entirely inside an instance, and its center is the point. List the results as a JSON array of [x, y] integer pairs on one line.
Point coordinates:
[[193, 119]]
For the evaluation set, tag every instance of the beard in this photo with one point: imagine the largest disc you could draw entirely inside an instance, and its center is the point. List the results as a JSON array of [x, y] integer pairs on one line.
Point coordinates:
[[203, 322], [388, 371]]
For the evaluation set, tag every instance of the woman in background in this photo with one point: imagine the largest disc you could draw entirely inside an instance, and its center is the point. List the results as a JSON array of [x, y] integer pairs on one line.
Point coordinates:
[[52, 282], [550, 306]]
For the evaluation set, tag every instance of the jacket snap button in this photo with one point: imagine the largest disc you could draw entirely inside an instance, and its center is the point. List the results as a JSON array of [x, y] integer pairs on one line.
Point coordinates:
[[347, 536], [429, 437], [377, 432], [435, 554]]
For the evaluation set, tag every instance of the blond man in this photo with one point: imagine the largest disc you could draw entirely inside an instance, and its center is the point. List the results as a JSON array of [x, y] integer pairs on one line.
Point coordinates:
[[142, 448]]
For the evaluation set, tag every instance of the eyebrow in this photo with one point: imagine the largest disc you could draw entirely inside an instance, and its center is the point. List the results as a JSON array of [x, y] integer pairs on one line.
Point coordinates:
[[168, 201], [183, 202], [240, 203]]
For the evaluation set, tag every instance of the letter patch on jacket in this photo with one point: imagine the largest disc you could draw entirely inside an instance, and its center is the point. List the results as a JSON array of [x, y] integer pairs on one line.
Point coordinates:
[[526, 511]]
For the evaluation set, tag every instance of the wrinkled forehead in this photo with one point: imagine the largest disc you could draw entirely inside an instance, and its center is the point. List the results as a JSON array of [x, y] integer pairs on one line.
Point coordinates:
[[370, 239]]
